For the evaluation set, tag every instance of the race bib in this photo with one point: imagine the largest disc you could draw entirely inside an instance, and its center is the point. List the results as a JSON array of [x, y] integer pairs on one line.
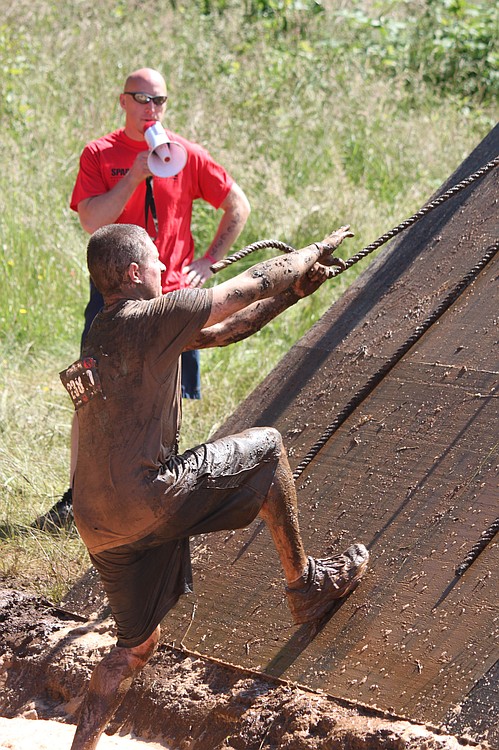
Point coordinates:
[[82, 382]]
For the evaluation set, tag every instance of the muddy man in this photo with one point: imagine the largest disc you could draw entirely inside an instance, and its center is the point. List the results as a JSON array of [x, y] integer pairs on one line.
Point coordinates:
[[137, 500]]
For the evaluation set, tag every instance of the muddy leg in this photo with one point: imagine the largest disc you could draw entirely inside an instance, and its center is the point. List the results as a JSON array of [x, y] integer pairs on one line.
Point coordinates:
[[314, 585], [110, 681], [280, 513]]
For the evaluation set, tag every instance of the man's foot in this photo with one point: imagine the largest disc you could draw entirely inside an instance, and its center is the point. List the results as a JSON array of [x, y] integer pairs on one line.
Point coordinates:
[[328, 580], [60, 516]]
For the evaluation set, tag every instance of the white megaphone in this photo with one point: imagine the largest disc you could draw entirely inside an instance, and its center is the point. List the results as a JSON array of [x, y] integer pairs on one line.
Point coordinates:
[[167, 158]]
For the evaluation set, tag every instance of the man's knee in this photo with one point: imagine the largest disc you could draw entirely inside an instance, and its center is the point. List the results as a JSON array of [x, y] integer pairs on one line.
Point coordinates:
[[140, 655], [267, 436], [274, 434]]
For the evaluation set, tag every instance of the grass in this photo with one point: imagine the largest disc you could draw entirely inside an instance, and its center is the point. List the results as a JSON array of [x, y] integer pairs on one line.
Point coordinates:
[[315, 135]]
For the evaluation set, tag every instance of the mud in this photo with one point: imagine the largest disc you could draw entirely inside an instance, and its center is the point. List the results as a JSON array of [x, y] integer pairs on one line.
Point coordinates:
[[181, 700]]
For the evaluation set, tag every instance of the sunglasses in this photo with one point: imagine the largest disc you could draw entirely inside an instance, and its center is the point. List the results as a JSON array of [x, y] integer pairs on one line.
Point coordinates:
[[141, 98]]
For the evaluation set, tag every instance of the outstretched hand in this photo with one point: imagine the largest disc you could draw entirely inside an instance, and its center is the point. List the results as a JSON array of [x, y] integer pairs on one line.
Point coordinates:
[[333, 241], [317, 275]]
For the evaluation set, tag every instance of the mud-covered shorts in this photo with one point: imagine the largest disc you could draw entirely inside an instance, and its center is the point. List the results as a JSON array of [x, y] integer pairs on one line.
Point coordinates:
[[226, 482]]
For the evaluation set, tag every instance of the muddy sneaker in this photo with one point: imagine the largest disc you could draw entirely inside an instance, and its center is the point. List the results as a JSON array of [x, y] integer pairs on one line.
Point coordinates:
[[328, 580], [60, 516]]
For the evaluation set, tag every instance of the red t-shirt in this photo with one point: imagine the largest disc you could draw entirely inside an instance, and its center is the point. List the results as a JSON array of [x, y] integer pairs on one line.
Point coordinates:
[[106, 160]]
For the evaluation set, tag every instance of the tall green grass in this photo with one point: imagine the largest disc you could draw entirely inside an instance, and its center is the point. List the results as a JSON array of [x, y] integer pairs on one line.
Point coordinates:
[[325, 113]]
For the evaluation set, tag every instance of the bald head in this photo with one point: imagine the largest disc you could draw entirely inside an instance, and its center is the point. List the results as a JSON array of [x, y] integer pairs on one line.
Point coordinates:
[[145, 78]]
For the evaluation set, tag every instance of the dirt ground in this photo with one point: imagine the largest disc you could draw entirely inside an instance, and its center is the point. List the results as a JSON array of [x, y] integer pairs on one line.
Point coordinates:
[[18, 733], [182, 701]]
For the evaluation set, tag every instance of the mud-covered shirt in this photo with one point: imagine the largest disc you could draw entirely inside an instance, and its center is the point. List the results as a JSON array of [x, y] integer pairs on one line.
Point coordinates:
[[121, 489]]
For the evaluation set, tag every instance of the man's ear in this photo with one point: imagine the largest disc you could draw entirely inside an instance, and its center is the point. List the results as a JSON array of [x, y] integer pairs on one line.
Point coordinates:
[[133, 273], [122, 101]]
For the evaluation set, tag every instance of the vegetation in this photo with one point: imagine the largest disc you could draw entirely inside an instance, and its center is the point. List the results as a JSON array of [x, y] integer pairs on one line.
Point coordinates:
[[325, 112]]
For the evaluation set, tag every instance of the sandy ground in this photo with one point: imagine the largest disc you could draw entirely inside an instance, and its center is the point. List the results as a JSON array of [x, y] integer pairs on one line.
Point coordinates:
[[20, 734]]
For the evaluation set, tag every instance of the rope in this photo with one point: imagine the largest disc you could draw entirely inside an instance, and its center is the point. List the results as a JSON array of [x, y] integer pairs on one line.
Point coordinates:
[[262, 244], [344, 265], [418, 332], [472, 555], [376, 378], [451, 192]]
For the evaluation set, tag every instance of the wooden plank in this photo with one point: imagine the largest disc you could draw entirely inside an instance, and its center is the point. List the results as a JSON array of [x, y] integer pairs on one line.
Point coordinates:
[[413, 474], [413, 637]]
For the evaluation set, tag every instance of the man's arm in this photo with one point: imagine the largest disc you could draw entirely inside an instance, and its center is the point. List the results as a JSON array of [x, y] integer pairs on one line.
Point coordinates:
[[254, 317], [236, 209], [270, 278], [99, 210]]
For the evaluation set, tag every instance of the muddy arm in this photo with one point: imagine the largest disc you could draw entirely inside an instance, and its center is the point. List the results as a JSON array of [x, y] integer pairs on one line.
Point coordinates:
[[270, 278], [244, 323]]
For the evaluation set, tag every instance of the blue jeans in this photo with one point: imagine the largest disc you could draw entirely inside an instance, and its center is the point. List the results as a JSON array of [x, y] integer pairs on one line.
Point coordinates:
[[191, 370]]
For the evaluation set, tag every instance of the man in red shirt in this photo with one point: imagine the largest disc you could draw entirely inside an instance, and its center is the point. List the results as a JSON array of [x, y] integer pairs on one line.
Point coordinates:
[[115, 186]]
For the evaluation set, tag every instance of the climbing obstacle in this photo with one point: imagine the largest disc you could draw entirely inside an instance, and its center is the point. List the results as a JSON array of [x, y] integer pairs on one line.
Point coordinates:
[[389, 410]]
